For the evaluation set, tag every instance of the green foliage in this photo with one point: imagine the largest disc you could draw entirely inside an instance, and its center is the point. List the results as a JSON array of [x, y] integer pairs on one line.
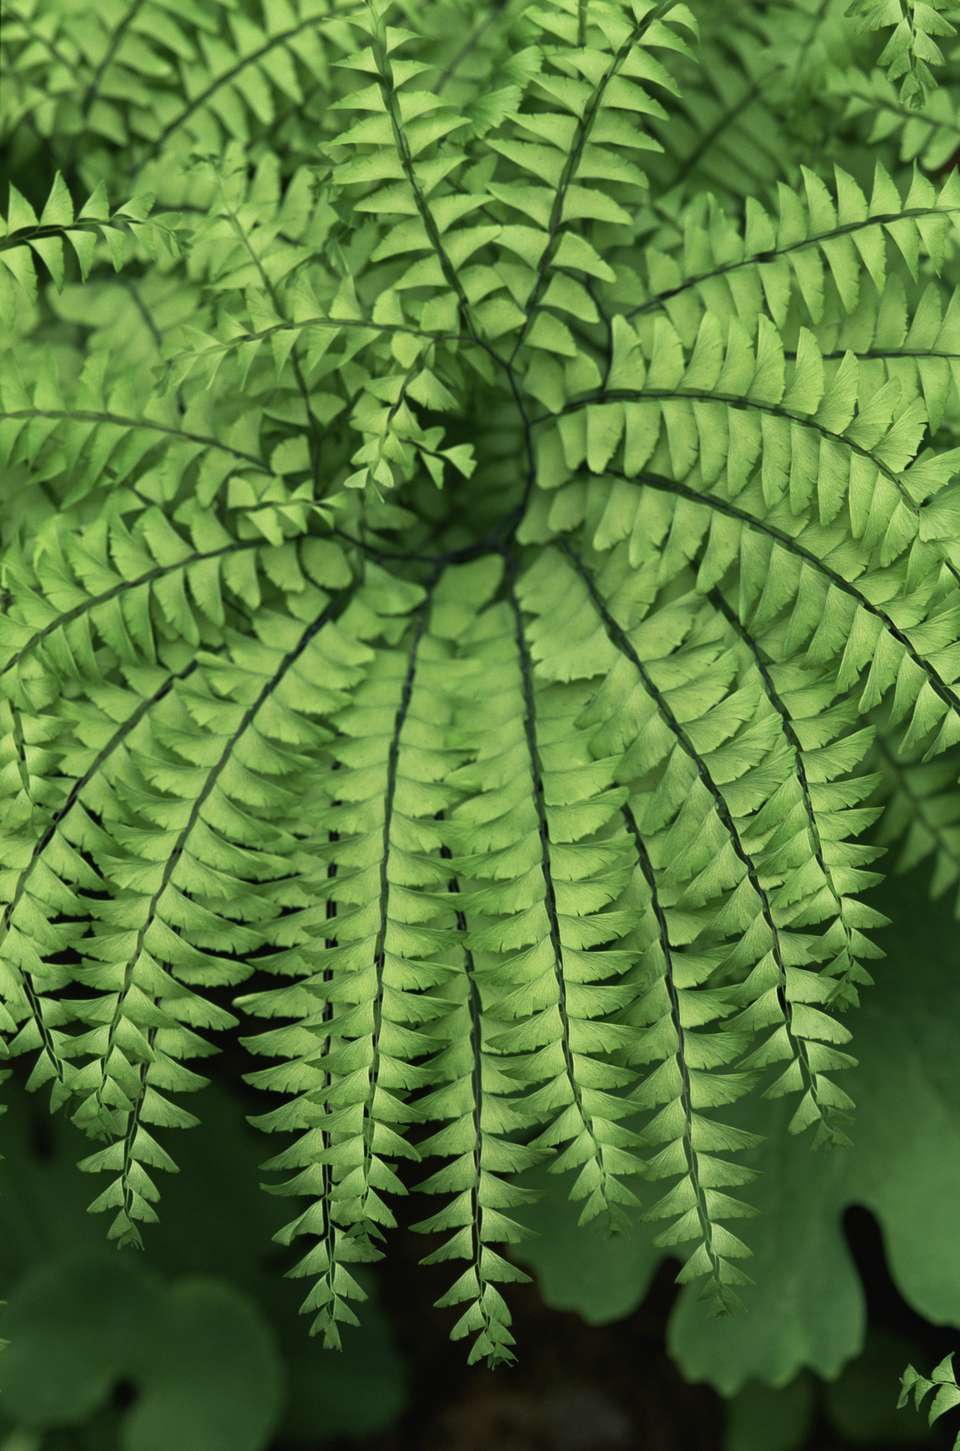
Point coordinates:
[[760, 1419], [911, 49], [807, 1309], [941, 1383], [194, 1352], [857, 1405], [473, 572], [201, 1333]]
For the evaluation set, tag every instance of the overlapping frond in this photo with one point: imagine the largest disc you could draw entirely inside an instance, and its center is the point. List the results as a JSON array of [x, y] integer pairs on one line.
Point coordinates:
[[918, 26], [810, 241], [580, 134], [824, 440], [911, 334], [404, 148], [138, 593], [362, 949], [720, 756], [873, 630], [26, 236], [921, 814], [199, 862], [538, 841], [96, 427], [723, 131], [928, 133], [50, 832], [150, 77], [478, 1098]]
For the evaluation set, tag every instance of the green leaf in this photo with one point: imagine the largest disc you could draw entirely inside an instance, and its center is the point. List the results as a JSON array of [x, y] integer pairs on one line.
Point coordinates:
[[760, 1418], [82, 1323], [588, 1268], [213, 1372]]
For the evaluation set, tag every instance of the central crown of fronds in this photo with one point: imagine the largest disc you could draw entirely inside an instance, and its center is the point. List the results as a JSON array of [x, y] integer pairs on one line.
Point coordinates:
[[470, 576]]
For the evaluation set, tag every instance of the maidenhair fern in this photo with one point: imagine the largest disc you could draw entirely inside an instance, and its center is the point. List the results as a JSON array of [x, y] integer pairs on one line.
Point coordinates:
[[482, 549], [912, 48], [941, 1385]]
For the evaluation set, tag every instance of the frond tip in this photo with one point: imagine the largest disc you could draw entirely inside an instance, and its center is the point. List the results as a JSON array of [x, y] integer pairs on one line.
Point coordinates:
[[941, 1384], [912, 48]]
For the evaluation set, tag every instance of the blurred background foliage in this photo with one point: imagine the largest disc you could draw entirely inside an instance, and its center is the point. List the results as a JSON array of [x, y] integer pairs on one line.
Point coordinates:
[[194, 1345]]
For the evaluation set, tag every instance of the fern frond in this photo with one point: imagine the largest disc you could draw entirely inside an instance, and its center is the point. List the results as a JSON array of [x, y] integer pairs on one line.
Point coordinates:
[[77, 68], [245, 73], [911, 50], [406, 145], [755, 107], [48, 867], [39, 61], [914, 336], [679, 1034], [25, 237], [941, 1384], [152, 79], [136, 590], [819, 816], [813, 243], [692, 850], [921, 814], [537, 804], [633, 709], [809, 36], [463, 42], [842, 616], [583, 150], [102, 425], [242, 251], [928, 133], [129, 317], [478, 1098], [360, 1015], [721, 130], [193, 831], [729, 405]]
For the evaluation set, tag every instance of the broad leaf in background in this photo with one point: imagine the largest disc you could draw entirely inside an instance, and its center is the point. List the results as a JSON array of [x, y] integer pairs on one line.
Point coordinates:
[[762, 1419], [601, 1276], [858, 1405], [200, 1329], [862, 1404], [199, 1354]]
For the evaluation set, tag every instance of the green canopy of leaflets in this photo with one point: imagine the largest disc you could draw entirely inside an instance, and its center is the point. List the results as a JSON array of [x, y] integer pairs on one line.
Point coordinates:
[[480, 549]]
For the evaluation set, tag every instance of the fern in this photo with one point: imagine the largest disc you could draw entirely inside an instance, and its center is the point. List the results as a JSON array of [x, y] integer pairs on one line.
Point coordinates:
[[920, 811], [477, 568], [941, 1383], [911, 49], [27, 237], [929, 132]]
